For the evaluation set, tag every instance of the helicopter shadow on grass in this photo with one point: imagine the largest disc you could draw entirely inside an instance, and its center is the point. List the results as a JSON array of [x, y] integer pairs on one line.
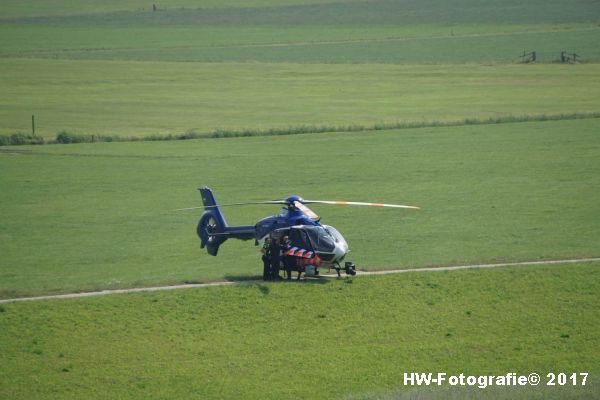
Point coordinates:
[[264, 286]]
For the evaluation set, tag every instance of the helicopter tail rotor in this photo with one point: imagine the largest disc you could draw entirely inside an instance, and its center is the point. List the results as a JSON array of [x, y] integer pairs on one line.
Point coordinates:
[[213, 229], [212, 224]]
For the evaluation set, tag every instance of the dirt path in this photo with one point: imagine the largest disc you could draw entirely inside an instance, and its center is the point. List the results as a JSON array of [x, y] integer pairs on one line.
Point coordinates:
[[359, 273]]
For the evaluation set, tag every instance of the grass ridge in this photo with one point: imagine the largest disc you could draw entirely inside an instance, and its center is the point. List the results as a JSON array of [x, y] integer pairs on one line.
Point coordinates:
[[65, 137]]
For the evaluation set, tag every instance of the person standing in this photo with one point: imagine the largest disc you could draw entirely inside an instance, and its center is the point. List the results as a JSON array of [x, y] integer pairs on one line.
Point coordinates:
[[289, 261], [275, 258], [266, 259]]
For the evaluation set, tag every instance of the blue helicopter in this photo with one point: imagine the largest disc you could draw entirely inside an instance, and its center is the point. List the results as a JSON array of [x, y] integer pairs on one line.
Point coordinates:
[[306, 238]]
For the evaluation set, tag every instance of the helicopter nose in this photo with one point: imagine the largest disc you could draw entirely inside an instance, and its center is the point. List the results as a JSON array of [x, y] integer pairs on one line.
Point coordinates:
[[340, 251]]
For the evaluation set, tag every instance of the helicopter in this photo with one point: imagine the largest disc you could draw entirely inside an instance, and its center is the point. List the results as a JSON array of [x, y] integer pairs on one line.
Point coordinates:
[[307, 240]]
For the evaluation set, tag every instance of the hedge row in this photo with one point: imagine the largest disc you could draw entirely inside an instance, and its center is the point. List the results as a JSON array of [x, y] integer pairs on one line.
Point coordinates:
[[67, 137]]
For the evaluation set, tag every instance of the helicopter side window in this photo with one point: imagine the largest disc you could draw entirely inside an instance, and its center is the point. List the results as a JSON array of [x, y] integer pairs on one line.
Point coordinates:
[[298, 237]]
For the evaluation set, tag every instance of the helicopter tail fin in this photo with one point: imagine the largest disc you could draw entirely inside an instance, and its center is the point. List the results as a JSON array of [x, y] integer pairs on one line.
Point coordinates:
[[212, 227], [212, 224]]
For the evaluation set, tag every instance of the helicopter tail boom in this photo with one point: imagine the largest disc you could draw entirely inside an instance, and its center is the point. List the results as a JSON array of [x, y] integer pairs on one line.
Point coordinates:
[[212, 227]]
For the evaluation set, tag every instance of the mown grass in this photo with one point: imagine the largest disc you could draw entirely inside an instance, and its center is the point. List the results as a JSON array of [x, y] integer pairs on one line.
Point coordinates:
[[92, 216], [89, 216], [411, 32], [451, 48], [44, 40], [28, 8], [472, 43], [84, 217], [149, 98], [333, 339], [384, 12]]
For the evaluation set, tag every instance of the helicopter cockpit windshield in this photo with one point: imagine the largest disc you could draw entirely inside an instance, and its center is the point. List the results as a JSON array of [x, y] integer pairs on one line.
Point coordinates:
[[335, 234], [314, 237]]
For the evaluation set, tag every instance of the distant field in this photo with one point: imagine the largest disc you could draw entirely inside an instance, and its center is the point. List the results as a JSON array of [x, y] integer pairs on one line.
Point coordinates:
[[298, 12], [144, 98], [113, 68], [424, 44], [83, 217], [28, 8], [350, 338], [59, 41], [382, 31]]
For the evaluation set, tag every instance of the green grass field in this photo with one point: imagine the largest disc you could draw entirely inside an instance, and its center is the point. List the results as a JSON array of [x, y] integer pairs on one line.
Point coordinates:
[[408, 32], [116, 68], [425, 44], [96, 216], [27, 8], [300, 12], [145, 98], [349, 338]]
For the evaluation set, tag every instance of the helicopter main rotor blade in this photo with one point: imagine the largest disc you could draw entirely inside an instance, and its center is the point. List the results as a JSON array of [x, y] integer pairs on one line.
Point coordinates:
[[310, 213], [301, 205], [249, 202], [357, 203], [188, 208], [234, 204]]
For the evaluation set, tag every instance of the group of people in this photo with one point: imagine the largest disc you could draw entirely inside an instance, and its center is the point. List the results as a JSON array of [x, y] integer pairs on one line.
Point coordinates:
[[273, 257]]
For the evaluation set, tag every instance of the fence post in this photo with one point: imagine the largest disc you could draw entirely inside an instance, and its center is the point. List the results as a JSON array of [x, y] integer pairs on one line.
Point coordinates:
[[33, 125]]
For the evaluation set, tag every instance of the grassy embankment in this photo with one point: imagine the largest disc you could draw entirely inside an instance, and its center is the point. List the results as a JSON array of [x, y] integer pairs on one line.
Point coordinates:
[[353, 337], [95, 216]]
